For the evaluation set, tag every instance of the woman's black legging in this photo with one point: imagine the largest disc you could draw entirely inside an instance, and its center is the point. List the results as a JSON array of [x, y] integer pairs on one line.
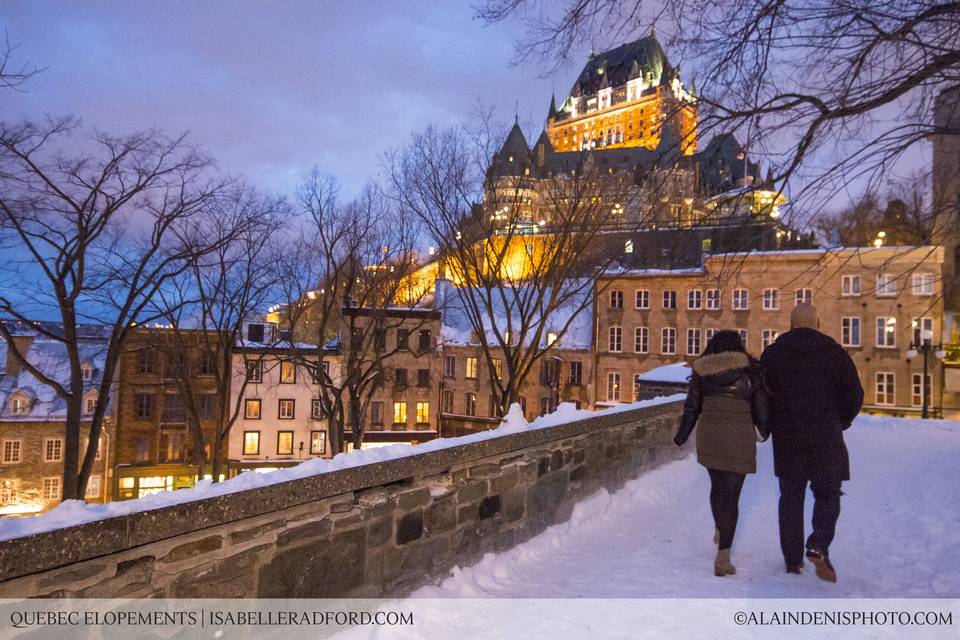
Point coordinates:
[[724, 502]]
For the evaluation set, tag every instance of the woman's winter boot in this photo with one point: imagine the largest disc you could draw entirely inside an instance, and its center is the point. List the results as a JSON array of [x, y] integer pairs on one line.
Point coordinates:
[[722, 566]]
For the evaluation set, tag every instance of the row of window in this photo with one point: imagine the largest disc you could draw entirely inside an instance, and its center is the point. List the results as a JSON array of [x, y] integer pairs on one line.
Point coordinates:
[[251, 443], [286, 409], [173, 409], [697, 339], [922, 285], [885, 386], [549, 371], [148, 362], [288, 372], [20, 405], [424, 339], [52, 450]]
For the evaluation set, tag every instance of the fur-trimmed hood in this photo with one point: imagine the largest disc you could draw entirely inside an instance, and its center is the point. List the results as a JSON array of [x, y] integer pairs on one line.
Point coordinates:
[[719, 363]]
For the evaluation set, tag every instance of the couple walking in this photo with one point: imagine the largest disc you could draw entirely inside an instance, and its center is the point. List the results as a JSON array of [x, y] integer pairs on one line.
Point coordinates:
[[804, 391]]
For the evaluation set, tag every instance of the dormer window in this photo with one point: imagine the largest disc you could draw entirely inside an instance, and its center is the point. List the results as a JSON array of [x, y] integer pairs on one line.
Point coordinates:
[[86, 372], [19, 406], [90, 404]]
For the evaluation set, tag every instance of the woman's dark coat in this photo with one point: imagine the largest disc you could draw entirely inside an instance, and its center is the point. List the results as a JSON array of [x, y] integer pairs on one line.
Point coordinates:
[[815, 394], [725, 400]]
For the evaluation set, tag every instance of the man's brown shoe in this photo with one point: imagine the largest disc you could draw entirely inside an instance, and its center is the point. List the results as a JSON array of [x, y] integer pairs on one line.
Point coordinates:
[[821, 561]]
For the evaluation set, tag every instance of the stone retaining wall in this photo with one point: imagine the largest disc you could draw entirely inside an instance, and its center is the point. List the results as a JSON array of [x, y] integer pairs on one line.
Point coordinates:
[[376, 530]]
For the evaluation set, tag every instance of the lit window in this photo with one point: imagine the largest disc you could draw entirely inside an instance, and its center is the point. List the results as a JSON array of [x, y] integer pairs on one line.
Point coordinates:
[[471, 368], [399, 413], [886, 332], [11, 451], [449, 367], [316, 409], [613, 386], [551, 338], [93, 488], [288, 372], [90, 405], [498, 368], [51, 488], [284, 443], [318, 442], [251, 443], [423, 413], [19, 406], [251, 409], [628, 246]]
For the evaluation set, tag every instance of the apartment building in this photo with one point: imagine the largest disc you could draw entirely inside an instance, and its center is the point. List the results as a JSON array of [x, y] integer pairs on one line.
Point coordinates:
[[875, 302]]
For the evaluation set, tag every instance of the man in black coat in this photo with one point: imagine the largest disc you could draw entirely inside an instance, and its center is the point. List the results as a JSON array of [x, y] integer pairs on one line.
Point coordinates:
[[815, 395]]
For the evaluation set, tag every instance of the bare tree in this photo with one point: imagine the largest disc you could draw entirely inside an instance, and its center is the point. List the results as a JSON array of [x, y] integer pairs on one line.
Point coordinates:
[[836, 92], [204, 310], [347, 285], [13, 75], [92, 236], [522, 245]]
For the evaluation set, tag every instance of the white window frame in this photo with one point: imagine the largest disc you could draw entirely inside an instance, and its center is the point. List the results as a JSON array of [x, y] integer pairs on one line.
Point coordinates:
[[695, 299], [694, 342], [668, 341], [768, 337], [771, 299], [886, 285], [740, 299], [16, 446], [886, 339], [51, 488], [850, 285], [669, 295], [57, 445], [885, 389], [916, 392], [922, 284], [800, 295], [615, 339], [641, 299], [743, 336], [616, 299], [614, 388], [281, 414], [641, 339], [847, 329], [922, 324], [713, 299]]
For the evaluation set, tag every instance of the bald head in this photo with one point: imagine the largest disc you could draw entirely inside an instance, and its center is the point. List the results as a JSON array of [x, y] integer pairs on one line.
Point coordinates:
[[805, 316]]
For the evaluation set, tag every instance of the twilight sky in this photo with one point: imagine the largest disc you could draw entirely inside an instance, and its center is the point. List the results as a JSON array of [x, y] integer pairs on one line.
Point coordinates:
[[271, 89]]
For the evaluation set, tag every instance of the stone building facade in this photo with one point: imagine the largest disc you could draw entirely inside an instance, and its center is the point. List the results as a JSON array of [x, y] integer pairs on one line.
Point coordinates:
[[873, 301]]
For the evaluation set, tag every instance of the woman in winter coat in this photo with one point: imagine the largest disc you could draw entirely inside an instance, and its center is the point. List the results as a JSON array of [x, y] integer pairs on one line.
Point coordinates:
[[726, 400]]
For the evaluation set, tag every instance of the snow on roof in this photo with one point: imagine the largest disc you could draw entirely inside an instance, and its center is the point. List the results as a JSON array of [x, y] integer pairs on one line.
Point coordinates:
[[50, 357], [457, 328], [75, 512], [686, 271], [676, 372]]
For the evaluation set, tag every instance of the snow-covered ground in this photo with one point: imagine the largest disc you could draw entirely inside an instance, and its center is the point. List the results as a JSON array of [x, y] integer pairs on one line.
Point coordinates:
[[898, 535]]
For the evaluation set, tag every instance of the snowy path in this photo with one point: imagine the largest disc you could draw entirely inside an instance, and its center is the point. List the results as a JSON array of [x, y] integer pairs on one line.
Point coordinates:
[[898, 536]]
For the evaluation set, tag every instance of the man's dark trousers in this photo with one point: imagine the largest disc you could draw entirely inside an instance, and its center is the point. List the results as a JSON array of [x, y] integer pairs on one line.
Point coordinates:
[[826, 510]]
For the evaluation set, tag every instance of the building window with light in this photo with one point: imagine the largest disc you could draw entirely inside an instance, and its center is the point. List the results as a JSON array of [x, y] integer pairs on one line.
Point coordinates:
[[19, 406], [615, 339], [850, 332], [251, 443], [288, 372], [922, 284], [803, 296], [423, 413], [886, 285], [284, 443], [694, 299], [251, 409], [713, 299], [613, 386], [886, 332], [471, 368], [51, 488], [628, 246], [693, 342], [850, 285], [642, 299], [885, 387], [668, 341], [318, 442], [771, 299], [768, 337], [316, 409], [497, 368], [399, 413], [741, 299], [551, 338]]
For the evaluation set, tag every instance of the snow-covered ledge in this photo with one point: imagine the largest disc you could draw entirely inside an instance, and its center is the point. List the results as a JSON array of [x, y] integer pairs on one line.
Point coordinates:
[[365, 523]]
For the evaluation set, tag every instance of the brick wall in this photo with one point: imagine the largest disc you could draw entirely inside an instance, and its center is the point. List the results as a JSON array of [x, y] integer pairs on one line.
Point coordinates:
[[376, 530]]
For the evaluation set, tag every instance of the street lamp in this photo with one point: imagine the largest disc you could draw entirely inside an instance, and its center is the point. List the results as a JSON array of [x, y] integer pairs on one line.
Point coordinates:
[[925, 347]]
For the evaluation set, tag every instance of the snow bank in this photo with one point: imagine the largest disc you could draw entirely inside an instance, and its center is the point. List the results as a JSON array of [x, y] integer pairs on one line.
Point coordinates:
[[74, 512]]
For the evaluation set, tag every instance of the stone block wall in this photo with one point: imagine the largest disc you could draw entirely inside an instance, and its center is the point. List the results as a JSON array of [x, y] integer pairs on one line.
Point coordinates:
[[377, 530]]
